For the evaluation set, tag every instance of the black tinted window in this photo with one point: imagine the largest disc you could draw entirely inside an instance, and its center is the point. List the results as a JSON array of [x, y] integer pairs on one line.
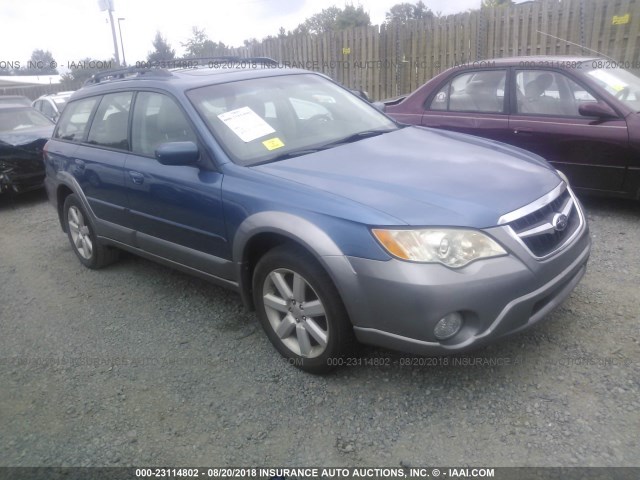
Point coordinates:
[[110, 125], [74, 122], [157, 119]]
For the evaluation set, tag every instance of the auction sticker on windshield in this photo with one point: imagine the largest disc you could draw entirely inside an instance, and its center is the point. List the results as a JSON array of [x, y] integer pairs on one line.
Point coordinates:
[[246, 124]]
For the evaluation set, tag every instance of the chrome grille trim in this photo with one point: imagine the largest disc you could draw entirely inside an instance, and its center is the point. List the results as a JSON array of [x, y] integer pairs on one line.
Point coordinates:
[[533, 206], [548, 227], [568, 206]]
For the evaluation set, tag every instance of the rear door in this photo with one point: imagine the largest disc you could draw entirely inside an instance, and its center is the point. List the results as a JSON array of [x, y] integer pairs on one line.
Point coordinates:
[[592, 152], [471, 102], [94, 153], [175, 210], [98, 163]]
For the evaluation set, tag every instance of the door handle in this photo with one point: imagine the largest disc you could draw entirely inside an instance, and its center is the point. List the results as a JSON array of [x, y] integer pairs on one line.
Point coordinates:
[[136, 177], [520, 131]]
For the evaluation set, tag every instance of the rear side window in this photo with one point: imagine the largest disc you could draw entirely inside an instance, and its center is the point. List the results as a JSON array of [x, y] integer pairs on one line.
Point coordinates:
[[111, 123], [157, 119], [73, 124]]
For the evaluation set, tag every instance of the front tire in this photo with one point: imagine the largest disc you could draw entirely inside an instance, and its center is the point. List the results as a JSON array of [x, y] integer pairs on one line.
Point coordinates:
[[83, 238], [301, 310]]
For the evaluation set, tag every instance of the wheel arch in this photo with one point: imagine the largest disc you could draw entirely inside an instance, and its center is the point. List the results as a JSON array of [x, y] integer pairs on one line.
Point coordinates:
[[67, 185], [264, 231]]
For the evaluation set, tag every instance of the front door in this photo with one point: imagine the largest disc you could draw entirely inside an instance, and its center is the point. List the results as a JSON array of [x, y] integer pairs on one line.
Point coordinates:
[[592, 152], [175, 210]]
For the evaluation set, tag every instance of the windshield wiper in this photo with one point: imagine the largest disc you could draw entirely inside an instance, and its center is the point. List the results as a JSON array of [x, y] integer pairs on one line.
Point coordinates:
[[358, 136], [287, 155], [304, 151]]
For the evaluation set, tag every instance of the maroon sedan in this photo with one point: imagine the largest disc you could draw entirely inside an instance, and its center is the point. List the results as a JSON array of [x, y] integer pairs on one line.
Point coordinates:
[[581, 114]]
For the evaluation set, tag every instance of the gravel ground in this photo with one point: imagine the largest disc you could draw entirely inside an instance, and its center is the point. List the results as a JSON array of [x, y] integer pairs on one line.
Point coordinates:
[[140, 365]]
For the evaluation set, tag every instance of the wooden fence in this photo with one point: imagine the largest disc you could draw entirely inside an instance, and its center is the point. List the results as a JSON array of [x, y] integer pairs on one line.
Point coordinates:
[[391, 60], [395, 59], [34, 91]]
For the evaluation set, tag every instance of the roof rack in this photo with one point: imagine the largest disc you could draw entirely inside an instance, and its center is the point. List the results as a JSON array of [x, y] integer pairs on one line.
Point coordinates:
[[122, 73]]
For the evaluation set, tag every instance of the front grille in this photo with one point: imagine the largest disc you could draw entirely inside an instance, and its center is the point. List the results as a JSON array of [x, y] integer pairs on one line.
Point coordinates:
[[541, 231]]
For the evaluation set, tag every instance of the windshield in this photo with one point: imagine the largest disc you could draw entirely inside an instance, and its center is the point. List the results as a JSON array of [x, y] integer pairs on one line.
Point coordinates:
[[15, 120], [265, 119], [620, 83]]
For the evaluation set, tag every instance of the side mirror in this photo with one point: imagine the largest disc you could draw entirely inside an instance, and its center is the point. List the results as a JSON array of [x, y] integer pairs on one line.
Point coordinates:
[[362, 94], [597, 109], [177, 153], [379, 106]]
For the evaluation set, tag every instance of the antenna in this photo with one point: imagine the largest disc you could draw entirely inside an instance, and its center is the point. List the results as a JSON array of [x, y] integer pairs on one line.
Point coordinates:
[[576, 44]]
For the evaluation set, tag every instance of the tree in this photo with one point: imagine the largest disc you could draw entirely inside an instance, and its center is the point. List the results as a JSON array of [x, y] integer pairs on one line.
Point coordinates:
[[163, 50], [352, 17], [200, 46], [403, 12], [333, 18], [40, 63], [496, 3]]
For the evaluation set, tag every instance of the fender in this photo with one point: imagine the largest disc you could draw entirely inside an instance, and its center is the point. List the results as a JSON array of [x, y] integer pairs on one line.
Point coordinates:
[[298, 229]]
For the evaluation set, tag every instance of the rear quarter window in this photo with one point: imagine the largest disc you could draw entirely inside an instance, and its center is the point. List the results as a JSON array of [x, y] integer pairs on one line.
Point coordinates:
[[75, 120]]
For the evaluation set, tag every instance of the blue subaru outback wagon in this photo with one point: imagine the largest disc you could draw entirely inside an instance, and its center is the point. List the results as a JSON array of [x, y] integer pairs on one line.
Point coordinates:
[[330, 219]]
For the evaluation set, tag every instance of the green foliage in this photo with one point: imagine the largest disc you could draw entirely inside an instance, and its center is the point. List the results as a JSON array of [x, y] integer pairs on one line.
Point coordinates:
[[199, 45], [403, 12], [333, 19], [496, 3], [163, 50], [40, 63]]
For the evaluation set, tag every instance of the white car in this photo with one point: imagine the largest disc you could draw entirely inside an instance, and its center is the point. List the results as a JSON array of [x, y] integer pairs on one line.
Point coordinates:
[[52, 104]]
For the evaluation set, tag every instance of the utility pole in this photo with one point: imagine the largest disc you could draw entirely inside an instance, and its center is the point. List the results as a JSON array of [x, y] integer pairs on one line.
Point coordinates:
[[124, 60], [108, 6]]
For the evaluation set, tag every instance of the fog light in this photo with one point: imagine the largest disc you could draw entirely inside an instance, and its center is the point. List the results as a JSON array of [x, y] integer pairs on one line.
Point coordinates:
[[448, 326]]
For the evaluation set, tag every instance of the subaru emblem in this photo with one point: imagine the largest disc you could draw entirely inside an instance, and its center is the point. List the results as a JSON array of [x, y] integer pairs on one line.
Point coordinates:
[[559, 222]]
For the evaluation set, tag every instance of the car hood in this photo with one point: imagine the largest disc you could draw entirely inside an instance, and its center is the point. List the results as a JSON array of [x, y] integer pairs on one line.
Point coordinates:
[[21, 151], [423, 176]]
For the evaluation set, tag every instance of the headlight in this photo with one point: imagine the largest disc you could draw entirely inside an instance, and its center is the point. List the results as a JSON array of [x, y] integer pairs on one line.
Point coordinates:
[[454, 248]]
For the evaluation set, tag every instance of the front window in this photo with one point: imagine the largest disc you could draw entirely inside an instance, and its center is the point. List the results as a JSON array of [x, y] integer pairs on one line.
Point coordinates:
[[622, 84], [157, 119], [544, 92], [266, 119]]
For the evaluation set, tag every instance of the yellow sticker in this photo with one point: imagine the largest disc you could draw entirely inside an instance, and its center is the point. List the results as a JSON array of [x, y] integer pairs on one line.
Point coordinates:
[[621, 19], [273, 143]]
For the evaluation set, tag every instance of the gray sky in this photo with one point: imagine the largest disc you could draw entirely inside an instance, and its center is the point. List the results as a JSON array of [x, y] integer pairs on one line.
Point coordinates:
[[75, 29]]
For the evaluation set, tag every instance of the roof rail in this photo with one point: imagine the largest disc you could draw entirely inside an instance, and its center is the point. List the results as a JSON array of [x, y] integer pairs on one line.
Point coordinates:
[[122, 73]]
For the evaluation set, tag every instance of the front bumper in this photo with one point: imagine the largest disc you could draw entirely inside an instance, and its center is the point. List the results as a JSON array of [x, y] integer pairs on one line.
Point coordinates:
[[20, 183], [396, 304]]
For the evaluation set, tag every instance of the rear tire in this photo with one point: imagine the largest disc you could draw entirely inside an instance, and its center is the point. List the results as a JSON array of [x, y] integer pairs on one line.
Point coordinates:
[[82, 236], [301, 310]]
